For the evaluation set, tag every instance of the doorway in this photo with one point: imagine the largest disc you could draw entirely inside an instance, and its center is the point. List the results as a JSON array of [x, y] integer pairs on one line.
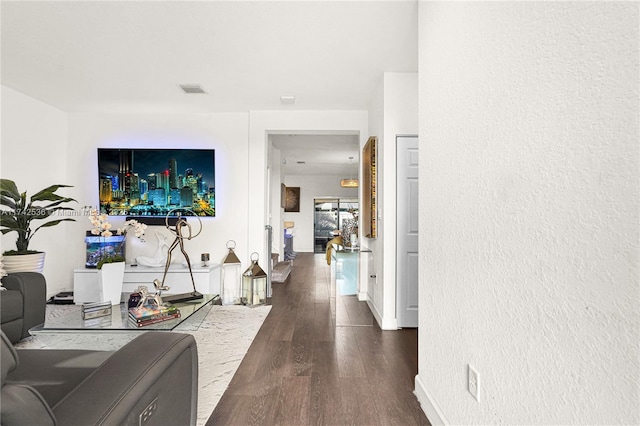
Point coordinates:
[[329, 217]]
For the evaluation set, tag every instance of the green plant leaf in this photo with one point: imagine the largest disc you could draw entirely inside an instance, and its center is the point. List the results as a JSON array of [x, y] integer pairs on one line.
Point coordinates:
[[9, 189], [48, 194]]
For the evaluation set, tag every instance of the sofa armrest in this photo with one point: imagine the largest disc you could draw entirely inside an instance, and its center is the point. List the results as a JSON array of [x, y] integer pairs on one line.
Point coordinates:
[[155, 375], [33, 287]]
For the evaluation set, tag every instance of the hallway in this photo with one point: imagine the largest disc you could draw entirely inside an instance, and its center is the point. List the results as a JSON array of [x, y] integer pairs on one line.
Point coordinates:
[[302, 369]]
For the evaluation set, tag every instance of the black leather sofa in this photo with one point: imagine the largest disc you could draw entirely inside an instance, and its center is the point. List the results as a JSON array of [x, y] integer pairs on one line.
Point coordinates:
[[153, 380], [22, 305]]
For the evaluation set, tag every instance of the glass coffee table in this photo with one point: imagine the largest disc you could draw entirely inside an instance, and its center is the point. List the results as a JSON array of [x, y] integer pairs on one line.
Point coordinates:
[[192, 314]]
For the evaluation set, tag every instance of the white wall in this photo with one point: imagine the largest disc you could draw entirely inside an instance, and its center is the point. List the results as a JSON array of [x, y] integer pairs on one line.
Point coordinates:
[[312, 187], [226, 133], [393, 111], [33, 153], [42, 145], [529, 167]]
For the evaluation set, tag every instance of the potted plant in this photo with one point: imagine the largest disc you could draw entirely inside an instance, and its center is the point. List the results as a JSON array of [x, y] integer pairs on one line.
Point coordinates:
[[21, 212]]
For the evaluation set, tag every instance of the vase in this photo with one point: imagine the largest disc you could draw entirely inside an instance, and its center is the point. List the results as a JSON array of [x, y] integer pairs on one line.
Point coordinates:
[[23, 263], [110, 278], [350, 233]]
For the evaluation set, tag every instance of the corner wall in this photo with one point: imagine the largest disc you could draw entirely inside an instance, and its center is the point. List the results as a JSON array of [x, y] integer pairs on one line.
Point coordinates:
[[529, 171], [393, 111]]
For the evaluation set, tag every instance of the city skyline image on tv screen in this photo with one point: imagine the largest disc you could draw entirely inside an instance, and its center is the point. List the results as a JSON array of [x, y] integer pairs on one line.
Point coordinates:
[[153, 182]]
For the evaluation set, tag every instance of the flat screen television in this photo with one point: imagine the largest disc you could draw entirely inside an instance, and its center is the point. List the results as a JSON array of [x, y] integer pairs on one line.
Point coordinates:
[[151, 183]]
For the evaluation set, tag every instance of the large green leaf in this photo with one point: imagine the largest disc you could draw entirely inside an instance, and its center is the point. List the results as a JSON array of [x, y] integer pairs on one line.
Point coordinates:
[[9, 189], [48, 194]]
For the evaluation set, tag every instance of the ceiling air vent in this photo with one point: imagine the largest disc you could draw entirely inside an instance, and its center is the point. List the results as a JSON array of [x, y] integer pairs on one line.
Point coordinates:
[[192, 89]]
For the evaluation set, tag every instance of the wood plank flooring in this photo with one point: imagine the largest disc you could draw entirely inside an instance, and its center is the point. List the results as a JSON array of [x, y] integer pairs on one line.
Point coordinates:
[[302, 369]]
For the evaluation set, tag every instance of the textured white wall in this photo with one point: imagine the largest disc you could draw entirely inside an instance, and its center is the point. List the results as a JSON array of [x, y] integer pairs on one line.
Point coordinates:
[[529, 176], [393, 111], [33, 155]]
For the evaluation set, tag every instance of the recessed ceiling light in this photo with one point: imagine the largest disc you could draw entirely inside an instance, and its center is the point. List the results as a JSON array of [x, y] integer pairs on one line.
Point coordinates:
[[287, 99], [192, 89], [301, 162]]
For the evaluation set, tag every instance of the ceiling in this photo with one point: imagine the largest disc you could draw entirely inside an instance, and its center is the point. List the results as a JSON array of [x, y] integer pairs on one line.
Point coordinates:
[[335, 155], [131, 56]]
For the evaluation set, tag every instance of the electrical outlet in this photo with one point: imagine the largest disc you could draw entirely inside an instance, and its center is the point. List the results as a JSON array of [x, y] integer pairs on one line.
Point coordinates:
[[474, 383]]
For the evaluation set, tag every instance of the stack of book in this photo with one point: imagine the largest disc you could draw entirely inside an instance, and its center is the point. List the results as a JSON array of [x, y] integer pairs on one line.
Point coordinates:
[[145, 315]]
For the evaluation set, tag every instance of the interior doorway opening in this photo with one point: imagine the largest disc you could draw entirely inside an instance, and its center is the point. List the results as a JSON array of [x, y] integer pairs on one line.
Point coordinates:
[[329, 217]]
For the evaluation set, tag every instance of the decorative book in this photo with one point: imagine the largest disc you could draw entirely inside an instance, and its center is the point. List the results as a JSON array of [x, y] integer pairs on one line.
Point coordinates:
[[161, 318], [151, 314]]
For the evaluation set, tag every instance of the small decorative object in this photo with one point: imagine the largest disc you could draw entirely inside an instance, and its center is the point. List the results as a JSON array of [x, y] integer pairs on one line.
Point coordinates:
[[95, 310], [158, 296], [160, 257], [350, 230], [135, 297], [19, 218], [254, 284], [102, 228], [98, 248], [204, 257], [181, 226], [230, 277]]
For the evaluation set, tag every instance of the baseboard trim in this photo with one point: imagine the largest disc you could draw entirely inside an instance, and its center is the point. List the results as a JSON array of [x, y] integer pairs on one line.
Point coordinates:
[[385, 324], [428, 404]]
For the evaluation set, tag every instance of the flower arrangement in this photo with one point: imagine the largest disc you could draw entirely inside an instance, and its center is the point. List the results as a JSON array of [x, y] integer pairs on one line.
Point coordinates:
[[102, 227]]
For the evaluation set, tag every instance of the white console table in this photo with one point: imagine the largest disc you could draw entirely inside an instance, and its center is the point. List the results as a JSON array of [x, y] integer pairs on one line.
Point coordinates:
[[206, 278]]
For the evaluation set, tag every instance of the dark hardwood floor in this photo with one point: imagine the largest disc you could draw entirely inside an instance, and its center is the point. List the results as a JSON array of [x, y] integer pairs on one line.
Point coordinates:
[[303, 369]]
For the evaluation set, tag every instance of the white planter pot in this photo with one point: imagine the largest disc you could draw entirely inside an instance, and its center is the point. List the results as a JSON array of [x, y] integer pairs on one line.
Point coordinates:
[[23, 263], [110, 279]]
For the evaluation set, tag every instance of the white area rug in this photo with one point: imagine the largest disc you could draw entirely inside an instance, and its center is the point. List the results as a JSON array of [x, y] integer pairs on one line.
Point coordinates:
[[223, 338]]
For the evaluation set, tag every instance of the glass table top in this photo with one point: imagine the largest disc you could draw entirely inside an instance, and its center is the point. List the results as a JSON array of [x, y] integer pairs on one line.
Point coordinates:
[[192, 313]]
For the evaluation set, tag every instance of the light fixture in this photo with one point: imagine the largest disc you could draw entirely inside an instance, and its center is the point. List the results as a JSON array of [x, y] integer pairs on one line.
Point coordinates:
[[350, 182]]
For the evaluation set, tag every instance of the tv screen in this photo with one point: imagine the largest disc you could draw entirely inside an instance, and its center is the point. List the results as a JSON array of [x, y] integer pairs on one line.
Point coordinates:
[[155, 182]]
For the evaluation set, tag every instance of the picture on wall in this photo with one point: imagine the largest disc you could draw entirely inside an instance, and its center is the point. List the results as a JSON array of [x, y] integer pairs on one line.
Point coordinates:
[[283, 195], [154, 182], [369, 190], [292, 202]]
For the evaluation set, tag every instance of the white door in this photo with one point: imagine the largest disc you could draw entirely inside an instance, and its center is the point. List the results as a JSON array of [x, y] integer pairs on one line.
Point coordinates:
[[407, 231]]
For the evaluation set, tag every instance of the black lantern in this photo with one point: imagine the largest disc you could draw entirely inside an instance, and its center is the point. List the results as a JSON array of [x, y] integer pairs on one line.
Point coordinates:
[[254, 284]]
